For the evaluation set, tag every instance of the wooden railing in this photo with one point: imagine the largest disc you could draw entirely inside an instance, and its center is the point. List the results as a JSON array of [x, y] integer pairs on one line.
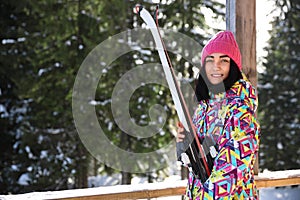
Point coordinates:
[[151, 190]]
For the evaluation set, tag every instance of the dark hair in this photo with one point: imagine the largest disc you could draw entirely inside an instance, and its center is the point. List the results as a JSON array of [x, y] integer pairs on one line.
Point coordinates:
[[203, 86]]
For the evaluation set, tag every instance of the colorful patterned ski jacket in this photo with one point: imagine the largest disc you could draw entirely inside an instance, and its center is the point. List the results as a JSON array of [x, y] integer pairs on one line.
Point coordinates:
[[229, 117]]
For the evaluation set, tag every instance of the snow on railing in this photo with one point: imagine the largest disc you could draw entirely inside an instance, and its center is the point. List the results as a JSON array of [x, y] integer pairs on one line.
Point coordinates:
[[151, 190]]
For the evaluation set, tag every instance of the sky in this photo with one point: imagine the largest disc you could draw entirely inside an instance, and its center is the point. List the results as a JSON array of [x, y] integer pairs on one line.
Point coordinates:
[[264, 16]]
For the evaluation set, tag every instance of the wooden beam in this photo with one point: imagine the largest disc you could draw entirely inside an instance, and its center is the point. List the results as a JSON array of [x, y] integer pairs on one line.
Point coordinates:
[[241, 20], [278, 178], [151, 190]]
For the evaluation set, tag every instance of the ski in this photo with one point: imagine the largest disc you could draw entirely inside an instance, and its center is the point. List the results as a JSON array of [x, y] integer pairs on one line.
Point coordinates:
[[190, 152]]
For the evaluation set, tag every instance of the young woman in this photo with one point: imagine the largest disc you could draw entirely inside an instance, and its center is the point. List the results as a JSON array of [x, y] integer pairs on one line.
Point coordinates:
[[226, 112]]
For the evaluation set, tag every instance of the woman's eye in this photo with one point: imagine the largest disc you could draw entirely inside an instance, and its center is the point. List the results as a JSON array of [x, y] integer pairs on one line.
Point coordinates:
[[209, 60], [225, 61]]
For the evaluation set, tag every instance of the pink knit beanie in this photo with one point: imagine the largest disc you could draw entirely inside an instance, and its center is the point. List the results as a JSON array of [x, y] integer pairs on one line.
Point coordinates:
[[223, 42]]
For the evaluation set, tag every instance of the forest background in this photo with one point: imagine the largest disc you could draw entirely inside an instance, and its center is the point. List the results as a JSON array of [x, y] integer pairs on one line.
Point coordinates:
[[43, 44]]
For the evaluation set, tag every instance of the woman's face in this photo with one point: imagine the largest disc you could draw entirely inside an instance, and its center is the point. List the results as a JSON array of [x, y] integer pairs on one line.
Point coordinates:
[[217, 66]]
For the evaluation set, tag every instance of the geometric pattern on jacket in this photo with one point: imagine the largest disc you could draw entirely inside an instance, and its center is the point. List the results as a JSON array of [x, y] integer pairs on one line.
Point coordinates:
[[230, 119]]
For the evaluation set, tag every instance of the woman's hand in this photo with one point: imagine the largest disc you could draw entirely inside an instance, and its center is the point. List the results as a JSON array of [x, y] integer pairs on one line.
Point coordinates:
[[180, 132]]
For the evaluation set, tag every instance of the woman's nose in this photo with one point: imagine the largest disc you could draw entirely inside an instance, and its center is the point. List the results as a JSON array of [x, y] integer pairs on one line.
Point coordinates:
[[216, 65]]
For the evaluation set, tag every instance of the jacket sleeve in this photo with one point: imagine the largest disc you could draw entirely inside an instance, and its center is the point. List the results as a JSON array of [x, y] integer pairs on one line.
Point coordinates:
[[238, 145]]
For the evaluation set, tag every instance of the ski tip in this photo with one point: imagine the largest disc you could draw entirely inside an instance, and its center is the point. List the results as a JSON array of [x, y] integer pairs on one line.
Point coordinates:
[[137, 9]]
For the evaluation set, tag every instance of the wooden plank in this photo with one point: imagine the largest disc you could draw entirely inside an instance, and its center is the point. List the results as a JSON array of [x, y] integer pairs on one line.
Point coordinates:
[[151, 190], [279, 178], [139, 191], [144, 194], [266, 183], [271, 179]]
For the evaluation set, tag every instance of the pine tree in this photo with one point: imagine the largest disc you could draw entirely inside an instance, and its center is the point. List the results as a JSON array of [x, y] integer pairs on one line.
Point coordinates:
[[43, 46], [41, 52], [13, 109], [279, 92]]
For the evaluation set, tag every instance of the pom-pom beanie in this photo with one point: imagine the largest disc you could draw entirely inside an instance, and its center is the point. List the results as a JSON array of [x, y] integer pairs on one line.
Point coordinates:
[[223, 42]]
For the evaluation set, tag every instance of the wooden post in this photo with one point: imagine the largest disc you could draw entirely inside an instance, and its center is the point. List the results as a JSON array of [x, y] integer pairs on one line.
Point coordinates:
[[241, 20]]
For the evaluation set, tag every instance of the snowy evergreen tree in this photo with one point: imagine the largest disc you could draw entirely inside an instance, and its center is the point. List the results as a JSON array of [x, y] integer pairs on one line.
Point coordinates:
[[43, 44], [279, 92]]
